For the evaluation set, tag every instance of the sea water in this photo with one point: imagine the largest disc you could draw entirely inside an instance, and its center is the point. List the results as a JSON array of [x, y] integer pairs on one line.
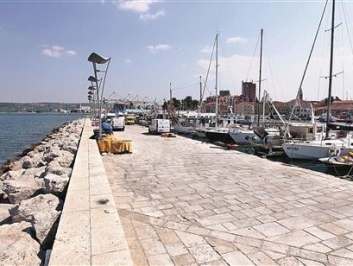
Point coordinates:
[[18, 131]]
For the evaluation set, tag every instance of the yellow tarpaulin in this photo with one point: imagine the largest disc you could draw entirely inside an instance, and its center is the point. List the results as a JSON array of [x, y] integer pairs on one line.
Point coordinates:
[[121, 146], [112, 144]]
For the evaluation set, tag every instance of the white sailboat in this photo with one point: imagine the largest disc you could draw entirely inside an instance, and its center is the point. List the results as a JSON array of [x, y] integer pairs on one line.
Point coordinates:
[[330, 144], [217, 133], [268, 138]]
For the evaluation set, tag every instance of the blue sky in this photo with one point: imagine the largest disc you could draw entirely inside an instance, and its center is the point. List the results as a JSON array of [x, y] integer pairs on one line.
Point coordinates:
[[44, 46]]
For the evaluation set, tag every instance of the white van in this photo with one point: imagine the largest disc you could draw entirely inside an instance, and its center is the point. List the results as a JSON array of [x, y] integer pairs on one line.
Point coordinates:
[[118, 122], [159, 126]]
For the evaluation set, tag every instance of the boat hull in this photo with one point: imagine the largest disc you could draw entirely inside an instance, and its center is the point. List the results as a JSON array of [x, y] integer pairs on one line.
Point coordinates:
[[214, 135], [346, 160], [266, 149], [309, 151], [242, 137], [183, 129]]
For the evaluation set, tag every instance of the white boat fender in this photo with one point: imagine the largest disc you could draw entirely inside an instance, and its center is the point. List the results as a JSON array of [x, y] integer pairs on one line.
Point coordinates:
[[334, 151]]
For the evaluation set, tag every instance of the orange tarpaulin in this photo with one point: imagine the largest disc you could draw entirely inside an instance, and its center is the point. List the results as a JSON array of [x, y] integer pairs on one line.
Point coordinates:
[[113, 144], [121, 146]]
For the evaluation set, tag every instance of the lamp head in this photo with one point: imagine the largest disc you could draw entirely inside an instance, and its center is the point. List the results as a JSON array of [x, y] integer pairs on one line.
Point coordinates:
[[95, 58], [93, 79]]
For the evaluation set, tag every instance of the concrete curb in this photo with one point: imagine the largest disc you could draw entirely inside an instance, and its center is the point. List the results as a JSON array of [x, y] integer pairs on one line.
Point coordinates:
[[90, 230]]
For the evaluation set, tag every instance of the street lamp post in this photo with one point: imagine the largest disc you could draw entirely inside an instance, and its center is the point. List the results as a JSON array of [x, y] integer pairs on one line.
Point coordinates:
[[96, 59], [92, 97]]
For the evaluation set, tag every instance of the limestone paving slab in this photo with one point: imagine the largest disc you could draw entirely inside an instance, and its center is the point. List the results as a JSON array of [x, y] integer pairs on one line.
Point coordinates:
[[187, 202], [197, 197]]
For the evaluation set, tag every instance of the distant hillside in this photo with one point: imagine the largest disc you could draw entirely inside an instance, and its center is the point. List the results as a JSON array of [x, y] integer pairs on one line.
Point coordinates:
[[40, 107]]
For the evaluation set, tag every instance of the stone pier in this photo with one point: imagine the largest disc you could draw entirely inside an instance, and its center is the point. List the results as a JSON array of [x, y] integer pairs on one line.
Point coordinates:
[[178, 201]]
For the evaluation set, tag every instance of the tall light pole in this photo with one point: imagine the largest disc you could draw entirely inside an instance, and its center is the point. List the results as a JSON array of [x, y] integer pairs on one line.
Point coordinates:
[[90, 99], [92, 93], [96, 59]]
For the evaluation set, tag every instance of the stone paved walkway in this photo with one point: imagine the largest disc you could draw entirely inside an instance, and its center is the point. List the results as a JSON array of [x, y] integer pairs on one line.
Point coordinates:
[[184, 202]]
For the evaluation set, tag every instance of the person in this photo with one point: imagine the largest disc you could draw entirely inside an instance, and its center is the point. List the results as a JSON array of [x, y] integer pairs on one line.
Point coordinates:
[[107, 128]]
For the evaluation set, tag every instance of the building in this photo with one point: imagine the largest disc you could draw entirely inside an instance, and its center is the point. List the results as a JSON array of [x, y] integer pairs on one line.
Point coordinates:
[[248, 91], [244, 108], [338, 108], [224, 93]]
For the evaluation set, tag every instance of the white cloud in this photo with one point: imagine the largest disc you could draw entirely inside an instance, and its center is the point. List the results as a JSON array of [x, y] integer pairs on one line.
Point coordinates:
[[56, 51], [158, 47], [236, 40], [128, 61], [148, 16], [206, 49], [70, 52], [231, 70], [138, 6]]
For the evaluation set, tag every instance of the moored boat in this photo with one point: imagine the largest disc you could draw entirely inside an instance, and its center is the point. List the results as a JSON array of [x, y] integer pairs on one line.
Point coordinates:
[[346, 160]]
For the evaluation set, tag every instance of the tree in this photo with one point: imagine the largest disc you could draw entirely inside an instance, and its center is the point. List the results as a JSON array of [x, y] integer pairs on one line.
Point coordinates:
[[185, 104], [324, 102]]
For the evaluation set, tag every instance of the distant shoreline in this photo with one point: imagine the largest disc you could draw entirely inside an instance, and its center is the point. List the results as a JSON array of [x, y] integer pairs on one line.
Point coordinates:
[[39, 113]]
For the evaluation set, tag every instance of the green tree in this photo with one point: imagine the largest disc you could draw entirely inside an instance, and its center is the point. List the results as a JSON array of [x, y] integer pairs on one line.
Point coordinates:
[[194, 104], [324, 102], [187, 102]]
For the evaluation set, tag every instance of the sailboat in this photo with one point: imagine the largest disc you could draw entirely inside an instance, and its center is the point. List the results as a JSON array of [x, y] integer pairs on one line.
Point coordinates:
[[217, 133], [329, 145], [222, 133], [268, 140]]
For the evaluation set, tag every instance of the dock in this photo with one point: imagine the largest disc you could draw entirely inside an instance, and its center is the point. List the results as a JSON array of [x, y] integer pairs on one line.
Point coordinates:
[[178, 201]]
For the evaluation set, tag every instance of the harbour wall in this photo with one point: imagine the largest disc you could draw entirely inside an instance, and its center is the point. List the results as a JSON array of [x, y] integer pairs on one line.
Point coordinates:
[[90, 230], [32, 192]]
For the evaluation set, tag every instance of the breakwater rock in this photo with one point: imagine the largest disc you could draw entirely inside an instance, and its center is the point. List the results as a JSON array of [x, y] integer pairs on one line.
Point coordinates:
[[32, 193]]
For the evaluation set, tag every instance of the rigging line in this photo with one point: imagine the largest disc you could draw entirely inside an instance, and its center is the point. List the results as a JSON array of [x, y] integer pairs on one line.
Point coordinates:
[[185, 86], [253, 56], [345, 15], [346, 21], [342, 61], [228, 67], [270, 68], [208, 70], [311, 51], [323, 53]]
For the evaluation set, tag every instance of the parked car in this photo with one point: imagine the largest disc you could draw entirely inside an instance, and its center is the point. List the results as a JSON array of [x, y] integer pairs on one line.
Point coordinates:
[[159, 126], [130, 120], [118, 122]]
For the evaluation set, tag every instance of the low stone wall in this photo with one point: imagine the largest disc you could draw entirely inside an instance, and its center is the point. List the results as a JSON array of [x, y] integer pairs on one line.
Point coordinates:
[[32, 192]]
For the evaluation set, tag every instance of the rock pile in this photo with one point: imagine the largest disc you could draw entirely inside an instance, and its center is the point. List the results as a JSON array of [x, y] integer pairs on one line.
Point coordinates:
[[32, 191]]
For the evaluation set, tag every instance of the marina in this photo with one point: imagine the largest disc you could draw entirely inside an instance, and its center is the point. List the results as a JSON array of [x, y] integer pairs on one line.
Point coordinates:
[[236, 166]]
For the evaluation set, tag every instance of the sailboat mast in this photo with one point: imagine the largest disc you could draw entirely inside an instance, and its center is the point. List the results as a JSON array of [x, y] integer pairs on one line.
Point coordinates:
[[260, 73], [216, 86], [170, 97], [200, 92], [331, 67]]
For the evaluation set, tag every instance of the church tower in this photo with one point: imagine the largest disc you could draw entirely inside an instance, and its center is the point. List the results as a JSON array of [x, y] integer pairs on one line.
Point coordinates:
[[300, 94]]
